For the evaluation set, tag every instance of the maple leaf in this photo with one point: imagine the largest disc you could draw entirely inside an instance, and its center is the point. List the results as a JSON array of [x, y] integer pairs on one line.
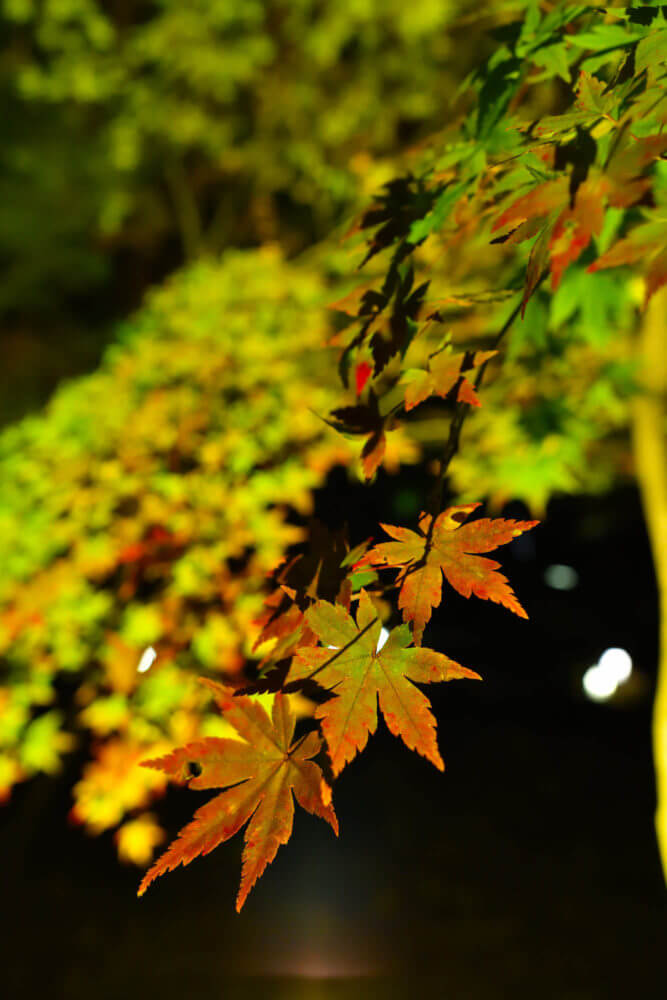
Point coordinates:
[[575, 208], [647, 242], [447, 547], [265, 768], [364, 418], [567, 232], [444, 370], [360, 673], [322, 571]]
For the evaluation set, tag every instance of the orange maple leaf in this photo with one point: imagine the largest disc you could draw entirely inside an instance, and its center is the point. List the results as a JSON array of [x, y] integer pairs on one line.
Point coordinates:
[[447, 547], [567, 231], [359, 672], [265, 769]]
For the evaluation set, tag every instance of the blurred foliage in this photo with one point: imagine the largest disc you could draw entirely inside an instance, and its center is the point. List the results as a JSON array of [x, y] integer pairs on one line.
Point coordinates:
[[555, 413], [146, 506], [150, 500], [221, 123], [556, 404]]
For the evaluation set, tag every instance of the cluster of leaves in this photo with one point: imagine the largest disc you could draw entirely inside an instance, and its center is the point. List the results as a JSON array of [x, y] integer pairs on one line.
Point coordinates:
[[220, 122], [156, 521], [588, 185], [146, 507], [502, 178]]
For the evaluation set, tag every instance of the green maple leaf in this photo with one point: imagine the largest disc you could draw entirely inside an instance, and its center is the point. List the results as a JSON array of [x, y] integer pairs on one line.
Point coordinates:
[[359, 673]]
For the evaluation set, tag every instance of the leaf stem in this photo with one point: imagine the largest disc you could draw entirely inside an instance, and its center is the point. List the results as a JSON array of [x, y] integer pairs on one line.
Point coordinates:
[[337, 653]]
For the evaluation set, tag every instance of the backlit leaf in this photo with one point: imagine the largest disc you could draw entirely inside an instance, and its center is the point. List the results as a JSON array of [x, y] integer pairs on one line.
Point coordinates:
[[444, 370], [360, 674], [447, 547], [265, 769]]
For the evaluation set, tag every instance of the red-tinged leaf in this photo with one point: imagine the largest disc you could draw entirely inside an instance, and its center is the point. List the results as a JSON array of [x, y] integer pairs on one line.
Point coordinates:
[[209, 763], [624, 172], [449, 548], [158, 543], [283, 624], [628, 194], [566, 233], [541, 200], [159, 534], [362, 374], [524, 231], [266, 769], [364, 418], [647, 242], [576, 205], [322, 571], [132, 553], [573, 231], [444, 370], [643, 240], [633, 155], [359, 673], [656, 275]]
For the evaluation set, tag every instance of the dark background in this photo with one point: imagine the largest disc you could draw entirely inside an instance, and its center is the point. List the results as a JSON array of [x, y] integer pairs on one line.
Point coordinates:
[[528, 869]]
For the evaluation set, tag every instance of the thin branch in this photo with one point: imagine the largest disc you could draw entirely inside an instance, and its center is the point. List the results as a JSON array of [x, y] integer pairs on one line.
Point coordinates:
[[453, 440]]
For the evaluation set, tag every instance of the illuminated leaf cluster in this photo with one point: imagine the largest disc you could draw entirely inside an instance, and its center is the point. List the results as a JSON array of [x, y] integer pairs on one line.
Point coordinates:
[[146, 507], [459, 346]]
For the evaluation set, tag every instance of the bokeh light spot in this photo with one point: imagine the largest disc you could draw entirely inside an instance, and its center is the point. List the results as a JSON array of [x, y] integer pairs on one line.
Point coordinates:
[[147, 659], [561, 577]]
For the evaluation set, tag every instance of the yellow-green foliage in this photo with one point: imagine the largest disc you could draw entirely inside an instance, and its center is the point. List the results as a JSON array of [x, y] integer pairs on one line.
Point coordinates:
[[148, 503], [555, 416], [198, 424], [223, 120]]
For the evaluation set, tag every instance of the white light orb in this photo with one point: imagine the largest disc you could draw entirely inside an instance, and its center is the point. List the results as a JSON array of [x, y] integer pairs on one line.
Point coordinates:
[[599, 683], [617, 662], [147, 658]]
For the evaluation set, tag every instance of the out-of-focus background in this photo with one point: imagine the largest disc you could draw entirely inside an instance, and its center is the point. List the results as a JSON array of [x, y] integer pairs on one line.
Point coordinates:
[[170, 177]]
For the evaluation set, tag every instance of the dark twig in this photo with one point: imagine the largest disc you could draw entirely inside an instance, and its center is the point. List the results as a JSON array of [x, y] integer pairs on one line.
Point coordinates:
[[453, 440]]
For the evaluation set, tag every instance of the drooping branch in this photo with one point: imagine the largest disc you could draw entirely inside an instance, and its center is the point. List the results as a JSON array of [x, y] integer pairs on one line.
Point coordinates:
[[462, 408]]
